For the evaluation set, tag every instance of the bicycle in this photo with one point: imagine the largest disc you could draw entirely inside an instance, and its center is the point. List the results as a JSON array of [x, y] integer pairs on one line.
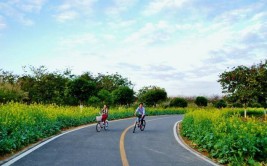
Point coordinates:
[[139, 125], [99, 126]]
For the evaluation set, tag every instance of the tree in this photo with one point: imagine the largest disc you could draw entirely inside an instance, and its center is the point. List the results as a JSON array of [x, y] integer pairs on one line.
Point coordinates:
[[43, 86], [94, 101], [88, 76], [81, 89], [246, 84], [105, 96], [201, 101], [7, 77], [111, 82], [152, 95], [178, 102], [123, 95], [9, 89], [11, 92], [220, 104]]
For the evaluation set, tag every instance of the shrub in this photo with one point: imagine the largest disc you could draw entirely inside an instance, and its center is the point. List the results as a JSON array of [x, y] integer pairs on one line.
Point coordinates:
[[220, 104], [10, 92], [238, 105], [94, 101], [201, 101], [254, 105], [178, 102], [123, 95], [152, 95]]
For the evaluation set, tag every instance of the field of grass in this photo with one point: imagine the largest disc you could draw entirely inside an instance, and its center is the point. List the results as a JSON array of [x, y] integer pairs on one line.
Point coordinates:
[[227, 136]]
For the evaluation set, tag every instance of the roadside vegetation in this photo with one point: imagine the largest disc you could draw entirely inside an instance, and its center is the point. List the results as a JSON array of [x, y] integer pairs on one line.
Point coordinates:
[[227, 136], [23, 124], [231, 128]]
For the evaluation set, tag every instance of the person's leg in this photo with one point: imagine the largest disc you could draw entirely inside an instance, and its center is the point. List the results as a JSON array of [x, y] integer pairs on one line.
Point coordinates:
[[142, 119], [104, 118], [139, 119]]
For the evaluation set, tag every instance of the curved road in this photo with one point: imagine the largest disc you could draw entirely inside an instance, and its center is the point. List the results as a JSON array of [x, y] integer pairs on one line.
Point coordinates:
[[85, 147]]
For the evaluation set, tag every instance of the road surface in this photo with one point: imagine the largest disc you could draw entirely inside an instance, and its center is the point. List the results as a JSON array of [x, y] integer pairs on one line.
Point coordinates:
[[156, 146]]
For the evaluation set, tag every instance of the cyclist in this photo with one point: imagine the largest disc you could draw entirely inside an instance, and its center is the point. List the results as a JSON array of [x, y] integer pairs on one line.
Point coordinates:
[[141, 113], [104, 113]]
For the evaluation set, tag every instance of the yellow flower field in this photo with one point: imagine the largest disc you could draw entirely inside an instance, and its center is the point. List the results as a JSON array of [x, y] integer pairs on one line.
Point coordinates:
[[228, 136]]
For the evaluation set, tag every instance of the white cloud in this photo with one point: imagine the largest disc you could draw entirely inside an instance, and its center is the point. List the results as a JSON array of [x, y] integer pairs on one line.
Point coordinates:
[[151, 34], [31, 5], [19, 10], [157, 6], [2, 23], [121, 24], [78, 40], [180, 46], [70, 10], [109, 37], [120, 6], [66, 15]]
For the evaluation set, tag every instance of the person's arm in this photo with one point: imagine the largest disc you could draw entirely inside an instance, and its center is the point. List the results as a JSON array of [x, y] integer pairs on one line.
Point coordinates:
[[144, 112], [135, 111]]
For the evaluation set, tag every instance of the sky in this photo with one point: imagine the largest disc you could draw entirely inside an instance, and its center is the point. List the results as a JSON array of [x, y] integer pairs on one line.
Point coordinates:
[[179, 45]]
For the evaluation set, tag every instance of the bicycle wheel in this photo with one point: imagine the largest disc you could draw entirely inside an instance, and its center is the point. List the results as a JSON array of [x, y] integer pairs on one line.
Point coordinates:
[[134, 127], [98, 127], [106, 125], [142, 127]]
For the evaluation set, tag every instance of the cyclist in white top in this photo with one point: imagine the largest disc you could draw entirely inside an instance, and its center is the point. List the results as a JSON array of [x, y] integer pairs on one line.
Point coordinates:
[[141, 112]]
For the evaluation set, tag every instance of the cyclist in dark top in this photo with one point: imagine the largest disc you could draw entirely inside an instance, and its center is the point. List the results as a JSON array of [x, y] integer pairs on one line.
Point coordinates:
[[140, 113]]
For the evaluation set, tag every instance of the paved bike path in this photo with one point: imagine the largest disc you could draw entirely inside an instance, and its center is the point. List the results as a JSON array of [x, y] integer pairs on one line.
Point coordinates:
[[154, 146], [158, 146], [83, 147]]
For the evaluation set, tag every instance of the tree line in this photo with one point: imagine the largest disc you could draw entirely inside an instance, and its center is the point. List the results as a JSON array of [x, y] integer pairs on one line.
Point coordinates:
[[38, 85], [243, 87]]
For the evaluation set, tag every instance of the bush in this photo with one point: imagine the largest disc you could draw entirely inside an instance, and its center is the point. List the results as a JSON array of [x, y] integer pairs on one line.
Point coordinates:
[[94, 101], [220, 104], [123, 95], [178, 102], [254, 105], [238, 105], [201, 101], [152, 96], [9, 92]]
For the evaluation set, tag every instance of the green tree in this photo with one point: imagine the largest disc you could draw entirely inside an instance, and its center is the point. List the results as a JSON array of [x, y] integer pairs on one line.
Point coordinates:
[[246, 84], [201, 101], [178, 102], [8, 77], [105, 96], [152, 95], [88, 76], [81, 89], [11, 92], [220, 104], [123, 95], [111, 82], [43, 86], [94, 101]]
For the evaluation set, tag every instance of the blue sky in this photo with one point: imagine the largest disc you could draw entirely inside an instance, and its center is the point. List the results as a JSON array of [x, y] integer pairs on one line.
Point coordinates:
[[179, 45]]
